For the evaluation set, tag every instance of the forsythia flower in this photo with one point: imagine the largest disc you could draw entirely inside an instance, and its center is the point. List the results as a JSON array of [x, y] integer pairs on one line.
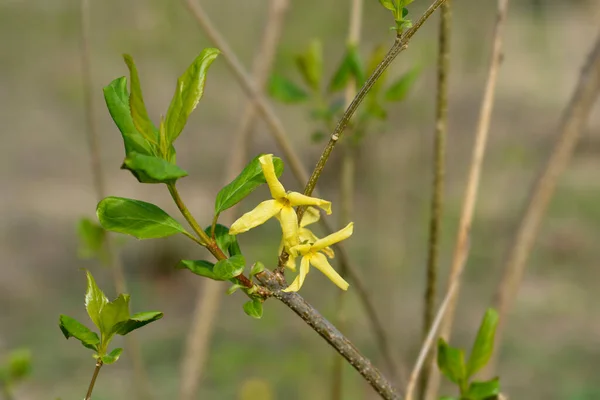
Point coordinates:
[[311, 256], [305, 235], [282, 205]]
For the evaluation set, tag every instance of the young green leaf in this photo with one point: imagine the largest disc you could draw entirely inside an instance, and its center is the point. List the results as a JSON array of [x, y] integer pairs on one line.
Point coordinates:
[[189, 91], [112, 357], [91, 239], [19, 364], [112, 314], [136, 321], [484, 342], [95, 300], [199, 267], [229, 268], [136, 218], [254, 308], [389, 4], [149, 169], [139, 114], [484, 390], [451, 362], [400, 89], [285, 91], [351, 67], [117, 102], [226, 242], [233, 288], [310, 64], [70, 327], [244, 184], [257, 268]]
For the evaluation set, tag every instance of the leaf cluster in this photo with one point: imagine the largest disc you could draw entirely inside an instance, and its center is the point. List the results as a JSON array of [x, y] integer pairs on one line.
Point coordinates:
[[451, 362], [400, 12]]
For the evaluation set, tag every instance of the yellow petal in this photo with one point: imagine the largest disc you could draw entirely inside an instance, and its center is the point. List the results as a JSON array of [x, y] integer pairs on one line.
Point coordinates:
[[265, 210], [301, 249], [289, 226], [298, 199], [319, 261], [291, 263], [334, 238], [276, 188], [328, 251], [299, 281], [306, 235], [311, 215]]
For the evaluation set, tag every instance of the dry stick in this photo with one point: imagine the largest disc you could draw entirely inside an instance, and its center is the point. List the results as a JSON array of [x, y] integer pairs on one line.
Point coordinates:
[[278, 132], [461, 251], [573, 122], [210, 292], [114, 261], [441, 128], [330, 333], [347, 177]]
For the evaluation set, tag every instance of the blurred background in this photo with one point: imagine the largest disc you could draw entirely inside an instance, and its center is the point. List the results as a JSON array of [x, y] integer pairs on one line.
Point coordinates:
[[551, 349]]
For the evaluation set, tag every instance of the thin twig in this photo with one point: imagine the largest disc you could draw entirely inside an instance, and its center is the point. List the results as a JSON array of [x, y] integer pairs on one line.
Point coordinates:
[[330, 333], [88, 396], [441, 128], [347, 178], [210, 292], [461, 250], [572, 124], [114, 261]]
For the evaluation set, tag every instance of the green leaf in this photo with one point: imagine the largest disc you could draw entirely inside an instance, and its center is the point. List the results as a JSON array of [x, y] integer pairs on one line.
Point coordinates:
[[189, 91], [136, 321], [484, 390], [95, 300], [70, 327], [254, 308], [112, 357], [117, 102], [351, 67], [389, 4], [139, 114], [199, 267], [91, 239], [149, 169], [112, 314], [257, 268], [310, 64], [136, 218], [286, 91], [233, 288], [484, 342], [400, 89], [451, 362], [229, 268], [226, 242], [19, 364], [244, 184]]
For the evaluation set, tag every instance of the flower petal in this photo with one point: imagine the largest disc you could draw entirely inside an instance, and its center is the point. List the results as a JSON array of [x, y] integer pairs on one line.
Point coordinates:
[[306, 235], [298, 199], [320, 262], [299, 281], [311, 215], [276, 188], [301, 249], [291, 263], [265, 210], [328, 251], [289, 226], [334, 238]]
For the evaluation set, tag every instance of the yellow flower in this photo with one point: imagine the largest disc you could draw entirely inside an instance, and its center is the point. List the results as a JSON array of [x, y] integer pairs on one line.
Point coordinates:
[[282, 205], [311, 256], [305, 235]]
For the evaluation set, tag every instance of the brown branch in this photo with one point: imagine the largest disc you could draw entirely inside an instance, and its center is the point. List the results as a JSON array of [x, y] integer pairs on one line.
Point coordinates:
[[330, 333], [572, 124], [461, 250], [114, 261], [441, 128], [210, 293]]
